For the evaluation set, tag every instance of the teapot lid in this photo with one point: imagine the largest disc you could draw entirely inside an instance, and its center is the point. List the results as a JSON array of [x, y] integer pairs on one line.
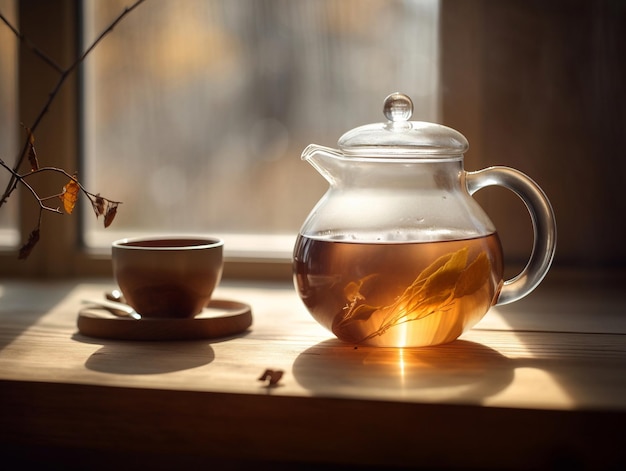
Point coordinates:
[[401, 138]]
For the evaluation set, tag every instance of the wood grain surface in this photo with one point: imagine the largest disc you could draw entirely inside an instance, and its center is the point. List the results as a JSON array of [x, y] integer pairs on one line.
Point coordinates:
[[537, 383]]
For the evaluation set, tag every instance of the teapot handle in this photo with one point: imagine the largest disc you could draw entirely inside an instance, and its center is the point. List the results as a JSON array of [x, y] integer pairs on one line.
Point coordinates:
[[543, 221]]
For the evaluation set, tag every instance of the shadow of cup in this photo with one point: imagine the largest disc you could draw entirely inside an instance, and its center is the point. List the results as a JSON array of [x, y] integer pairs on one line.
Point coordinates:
[[151, 358]]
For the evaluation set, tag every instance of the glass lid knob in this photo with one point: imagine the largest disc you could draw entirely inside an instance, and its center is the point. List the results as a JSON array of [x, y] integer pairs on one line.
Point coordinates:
[[398, 107]]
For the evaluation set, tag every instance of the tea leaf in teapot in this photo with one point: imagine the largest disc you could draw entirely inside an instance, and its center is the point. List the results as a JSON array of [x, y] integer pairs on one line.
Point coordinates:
[[434, 284], [435, 266], [352, 290], [433, 290], [362, 312], [444, 279], [353, 310], [474, 276]]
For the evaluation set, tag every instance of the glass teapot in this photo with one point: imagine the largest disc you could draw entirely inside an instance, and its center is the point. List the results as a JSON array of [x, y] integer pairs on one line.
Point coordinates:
[[397, 253]]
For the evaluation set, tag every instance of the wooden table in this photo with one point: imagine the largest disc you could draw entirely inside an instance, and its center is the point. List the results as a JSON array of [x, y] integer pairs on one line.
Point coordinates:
[[537, 384]]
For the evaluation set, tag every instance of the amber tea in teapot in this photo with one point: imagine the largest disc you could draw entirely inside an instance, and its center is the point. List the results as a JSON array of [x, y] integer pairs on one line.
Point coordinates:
[[399, 294], [397, 252]]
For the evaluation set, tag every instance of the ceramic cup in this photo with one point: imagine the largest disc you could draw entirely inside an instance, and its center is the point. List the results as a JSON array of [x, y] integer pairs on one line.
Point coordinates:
[[168, 276]]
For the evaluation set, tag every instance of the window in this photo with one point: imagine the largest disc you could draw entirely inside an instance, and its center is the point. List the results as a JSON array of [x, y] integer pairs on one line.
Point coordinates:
[[195, 113]]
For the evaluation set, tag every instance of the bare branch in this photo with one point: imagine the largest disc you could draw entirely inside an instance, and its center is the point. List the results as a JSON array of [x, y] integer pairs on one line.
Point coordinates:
[[63, 74], [68, 175], [101, 205]]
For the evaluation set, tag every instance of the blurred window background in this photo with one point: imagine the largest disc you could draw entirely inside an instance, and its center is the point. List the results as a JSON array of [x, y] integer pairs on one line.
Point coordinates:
[[195, 113]]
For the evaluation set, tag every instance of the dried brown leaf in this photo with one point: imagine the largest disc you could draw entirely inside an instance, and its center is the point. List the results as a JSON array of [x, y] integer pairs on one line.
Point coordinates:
[[32, 155], [28, 247], [98, 204], [272, 376], [110, 214], [70, 195]]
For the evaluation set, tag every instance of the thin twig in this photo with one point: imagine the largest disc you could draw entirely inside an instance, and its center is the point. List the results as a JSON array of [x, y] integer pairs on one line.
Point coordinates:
[[126, 11], [40, 200], [38, 52], [67, 174]]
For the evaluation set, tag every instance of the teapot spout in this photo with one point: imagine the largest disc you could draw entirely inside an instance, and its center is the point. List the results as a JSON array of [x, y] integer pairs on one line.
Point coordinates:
[[313, 153], [328, 162]]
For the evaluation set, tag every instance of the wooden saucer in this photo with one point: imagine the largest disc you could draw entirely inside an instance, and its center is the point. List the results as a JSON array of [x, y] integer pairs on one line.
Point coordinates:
[[220, 318]]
